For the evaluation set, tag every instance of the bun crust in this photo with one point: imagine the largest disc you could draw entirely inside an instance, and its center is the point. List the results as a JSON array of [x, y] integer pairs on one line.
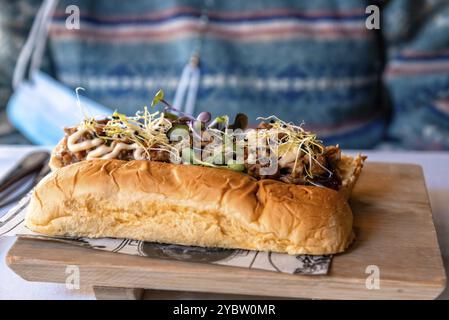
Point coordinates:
[[56, 163], [190, 205], [349, 169]]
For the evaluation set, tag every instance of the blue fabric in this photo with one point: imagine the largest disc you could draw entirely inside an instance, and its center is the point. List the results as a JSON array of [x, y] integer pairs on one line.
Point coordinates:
[[327, 77], [42, 107], [417, 74], [311, 61]]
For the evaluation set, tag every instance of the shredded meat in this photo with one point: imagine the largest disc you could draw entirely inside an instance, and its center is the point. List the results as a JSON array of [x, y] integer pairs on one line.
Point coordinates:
[[321, 171], [125, 155], [333, 156], [70, 131], [160, 155], [264, 125], [332, 182], [67, 157], [254, 170]]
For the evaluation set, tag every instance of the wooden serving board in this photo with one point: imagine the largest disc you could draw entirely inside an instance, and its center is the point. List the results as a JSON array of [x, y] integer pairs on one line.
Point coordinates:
[[393, 225]]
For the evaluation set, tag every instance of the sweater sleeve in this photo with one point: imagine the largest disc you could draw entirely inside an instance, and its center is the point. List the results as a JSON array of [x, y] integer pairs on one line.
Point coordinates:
[[416, 75]]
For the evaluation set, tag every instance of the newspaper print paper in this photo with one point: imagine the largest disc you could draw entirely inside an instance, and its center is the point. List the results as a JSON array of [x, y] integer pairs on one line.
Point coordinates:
[[12, 224]]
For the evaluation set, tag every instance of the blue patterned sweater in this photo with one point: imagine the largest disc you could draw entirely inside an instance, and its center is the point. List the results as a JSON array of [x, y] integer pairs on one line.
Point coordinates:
[[312, 61]]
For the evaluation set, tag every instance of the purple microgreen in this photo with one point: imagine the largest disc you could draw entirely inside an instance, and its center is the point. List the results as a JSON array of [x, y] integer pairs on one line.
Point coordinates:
[[204, 117]]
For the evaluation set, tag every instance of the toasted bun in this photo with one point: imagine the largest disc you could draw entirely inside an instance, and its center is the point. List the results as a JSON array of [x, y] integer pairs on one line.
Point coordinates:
[[349, 170], [189, 205], [55, 162]]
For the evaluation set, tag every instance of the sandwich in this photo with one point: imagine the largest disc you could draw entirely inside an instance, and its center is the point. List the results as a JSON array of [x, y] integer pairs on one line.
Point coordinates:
[[164, 176]]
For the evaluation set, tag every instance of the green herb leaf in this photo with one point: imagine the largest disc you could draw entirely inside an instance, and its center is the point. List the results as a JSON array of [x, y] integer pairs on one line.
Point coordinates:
[[222, 119], [157, 98]]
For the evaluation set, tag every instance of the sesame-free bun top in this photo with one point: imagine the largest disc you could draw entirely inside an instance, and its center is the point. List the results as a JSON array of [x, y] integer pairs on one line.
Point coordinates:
[[193, 205]]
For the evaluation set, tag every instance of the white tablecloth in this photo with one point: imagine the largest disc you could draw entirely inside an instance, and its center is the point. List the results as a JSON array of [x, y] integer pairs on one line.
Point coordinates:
[[436, 171]]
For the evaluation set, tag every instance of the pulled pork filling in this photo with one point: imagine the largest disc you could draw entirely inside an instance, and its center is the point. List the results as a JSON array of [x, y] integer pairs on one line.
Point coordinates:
[[114, 138], [288, 172]]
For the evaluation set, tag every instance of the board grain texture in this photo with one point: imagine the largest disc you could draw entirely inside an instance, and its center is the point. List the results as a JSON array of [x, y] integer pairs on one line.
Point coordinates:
[[393, 225]]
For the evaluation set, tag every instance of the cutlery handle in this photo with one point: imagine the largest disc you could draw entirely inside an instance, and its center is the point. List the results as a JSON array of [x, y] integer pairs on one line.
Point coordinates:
[[31, 163]]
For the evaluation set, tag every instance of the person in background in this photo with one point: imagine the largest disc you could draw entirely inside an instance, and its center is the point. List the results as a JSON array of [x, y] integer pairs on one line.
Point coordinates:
[[304, 61]]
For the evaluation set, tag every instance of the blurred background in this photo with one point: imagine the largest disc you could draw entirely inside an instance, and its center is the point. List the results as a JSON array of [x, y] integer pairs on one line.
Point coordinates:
[[312, 61], [363, 74]]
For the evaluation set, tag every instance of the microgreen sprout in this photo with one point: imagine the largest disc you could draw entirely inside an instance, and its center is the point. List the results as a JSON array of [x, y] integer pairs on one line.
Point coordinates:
[[159, 97], [290, 137], [147, 130], [150, 130]]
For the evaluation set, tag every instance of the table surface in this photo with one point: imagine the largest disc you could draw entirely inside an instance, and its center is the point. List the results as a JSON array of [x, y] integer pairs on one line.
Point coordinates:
[[436, 171]]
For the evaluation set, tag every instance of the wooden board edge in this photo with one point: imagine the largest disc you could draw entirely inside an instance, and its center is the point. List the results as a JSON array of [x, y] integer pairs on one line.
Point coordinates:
[[431, 289], [434, 230], [34, 270]]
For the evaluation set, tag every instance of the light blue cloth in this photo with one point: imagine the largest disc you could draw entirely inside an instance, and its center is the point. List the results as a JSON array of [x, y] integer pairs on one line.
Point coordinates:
[[42, 107]]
